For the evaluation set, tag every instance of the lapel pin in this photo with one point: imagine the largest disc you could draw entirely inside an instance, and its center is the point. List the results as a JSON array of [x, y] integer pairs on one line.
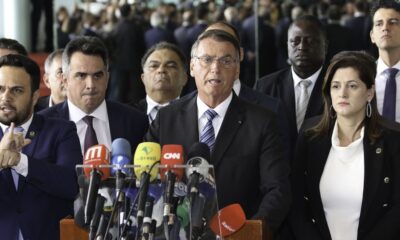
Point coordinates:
[[32, 134], [240, 121]]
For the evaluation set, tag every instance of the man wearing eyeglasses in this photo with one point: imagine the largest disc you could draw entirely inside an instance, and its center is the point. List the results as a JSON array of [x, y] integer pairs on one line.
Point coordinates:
[[245, 148], [53, 79]]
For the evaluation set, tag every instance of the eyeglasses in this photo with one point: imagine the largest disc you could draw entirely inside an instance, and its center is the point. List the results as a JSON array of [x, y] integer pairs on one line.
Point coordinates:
[[226, 62]]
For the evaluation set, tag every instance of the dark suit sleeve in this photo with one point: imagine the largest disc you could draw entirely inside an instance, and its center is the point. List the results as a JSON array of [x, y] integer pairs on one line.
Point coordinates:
[[56, 176], [274, 172], [387, 226], [299, 224]]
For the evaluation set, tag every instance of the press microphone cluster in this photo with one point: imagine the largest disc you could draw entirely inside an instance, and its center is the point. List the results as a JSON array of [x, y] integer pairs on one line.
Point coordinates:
[[176, 204]]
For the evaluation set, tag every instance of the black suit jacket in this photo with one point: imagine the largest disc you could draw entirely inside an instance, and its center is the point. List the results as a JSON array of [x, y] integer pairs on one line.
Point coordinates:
[[46, 194], [42, 103], [380, 208], [141, 105], [125, 122], [280, 85], [249, 165]]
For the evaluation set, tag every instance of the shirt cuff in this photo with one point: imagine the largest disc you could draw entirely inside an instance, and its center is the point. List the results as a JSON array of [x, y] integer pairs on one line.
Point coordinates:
[[22, 166]]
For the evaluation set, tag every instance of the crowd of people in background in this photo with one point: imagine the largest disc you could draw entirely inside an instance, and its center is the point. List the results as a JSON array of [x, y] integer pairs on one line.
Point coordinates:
[[129, 30], [300, 114]]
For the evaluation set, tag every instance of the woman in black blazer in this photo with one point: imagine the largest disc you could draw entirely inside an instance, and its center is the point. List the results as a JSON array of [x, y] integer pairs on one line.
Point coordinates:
[[346, 173]]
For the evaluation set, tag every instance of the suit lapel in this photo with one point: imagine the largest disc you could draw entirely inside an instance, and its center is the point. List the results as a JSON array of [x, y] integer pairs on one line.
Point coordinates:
[[319, 152], [234, 118], [315, 104], [63, 110], [29, 150], [287, 91], [189, 121]]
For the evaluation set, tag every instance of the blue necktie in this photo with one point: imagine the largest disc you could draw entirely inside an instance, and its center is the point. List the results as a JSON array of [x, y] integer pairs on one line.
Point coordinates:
[[207, 134], [389, 101]]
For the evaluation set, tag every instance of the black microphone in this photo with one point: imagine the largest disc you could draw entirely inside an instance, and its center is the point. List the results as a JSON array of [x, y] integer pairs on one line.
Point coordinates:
[[146, 227], [96, 216], [101, 230], [79, 203], [198, 168]]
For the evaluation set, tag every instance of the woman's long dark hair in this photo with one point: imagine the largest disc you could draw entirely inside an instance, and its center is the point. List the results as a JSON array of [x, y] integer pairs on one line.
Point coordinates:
[[365, 65]]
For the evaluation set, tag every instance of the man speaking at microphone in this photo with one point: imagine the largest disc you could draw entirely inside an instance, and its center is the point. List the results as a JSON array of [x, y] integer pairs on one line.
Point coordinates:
[[245, 148], [37, 157]]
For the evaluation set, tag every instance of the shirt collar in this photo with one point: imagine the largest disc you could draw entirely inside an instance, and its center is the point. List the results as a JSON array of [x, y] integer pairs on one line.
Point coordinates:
[[25, 125], [76, 114], [381, 66], [220, 109], [336, 142], [151, 104], [236, 86], [313, 78]]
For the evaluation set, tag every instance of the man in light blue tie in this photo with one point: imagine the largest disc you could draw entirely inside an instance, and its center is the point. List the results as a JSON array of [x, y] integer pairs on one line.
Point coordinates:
[[250, 168], [37, 157]]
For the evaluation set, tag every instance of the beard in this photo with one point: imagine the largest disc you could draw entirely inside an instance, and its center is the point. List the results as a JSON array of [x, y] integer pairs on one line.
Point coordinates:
[[19, 117]]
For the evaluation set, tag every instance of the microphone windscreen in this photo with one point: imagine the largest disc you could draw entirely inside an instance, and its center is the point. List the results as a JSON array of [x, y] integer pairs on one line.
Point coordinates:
[[228, 220], [121, 155], [199, 165], [146, 155], [199, 149], [97, 155], [172, 154], [182, 211]]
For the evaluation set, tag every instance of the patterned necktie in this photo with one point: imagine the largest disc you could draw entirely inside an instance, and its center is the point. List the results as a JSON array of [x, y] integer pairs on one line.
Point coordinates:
[[153, 113], [207, 134], [90, 136], [389, 101], [13, 172], [302, 102]]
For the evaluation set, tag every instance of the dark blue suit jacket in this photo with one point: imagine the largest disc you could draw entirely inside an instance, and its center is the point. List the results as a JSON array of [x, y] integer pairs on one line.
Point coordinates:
[[156, 35], [125, 122], [46, 194], [380, 208]]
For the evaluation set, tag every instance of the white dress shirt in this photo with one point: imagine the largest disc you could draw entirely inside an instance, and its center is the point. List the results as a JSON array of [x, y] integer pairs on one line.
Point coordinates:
[[217, 121], [341, 187], [100, 124], [380, 84], [151, 104]]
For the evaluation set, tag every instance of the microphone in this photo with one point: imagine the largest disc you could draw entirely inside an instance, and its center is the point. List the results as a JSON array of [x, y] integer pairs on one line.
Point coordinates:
[[120, 155], [146, 227], [147, 154], [228, 220], [95, 156], [198, 167], [170, 155], [101, 230], [96, 216]]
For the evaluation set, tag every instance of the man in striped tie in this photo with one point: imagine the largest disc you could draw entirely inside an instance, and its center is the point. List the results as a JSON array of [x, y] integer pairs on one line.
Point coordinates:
[[245, 148]]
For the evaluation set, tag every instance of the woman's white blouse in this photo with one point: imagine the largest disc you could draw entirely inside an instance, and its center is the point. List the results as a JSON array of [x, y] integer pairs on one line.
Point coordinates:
[[341, 187]]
